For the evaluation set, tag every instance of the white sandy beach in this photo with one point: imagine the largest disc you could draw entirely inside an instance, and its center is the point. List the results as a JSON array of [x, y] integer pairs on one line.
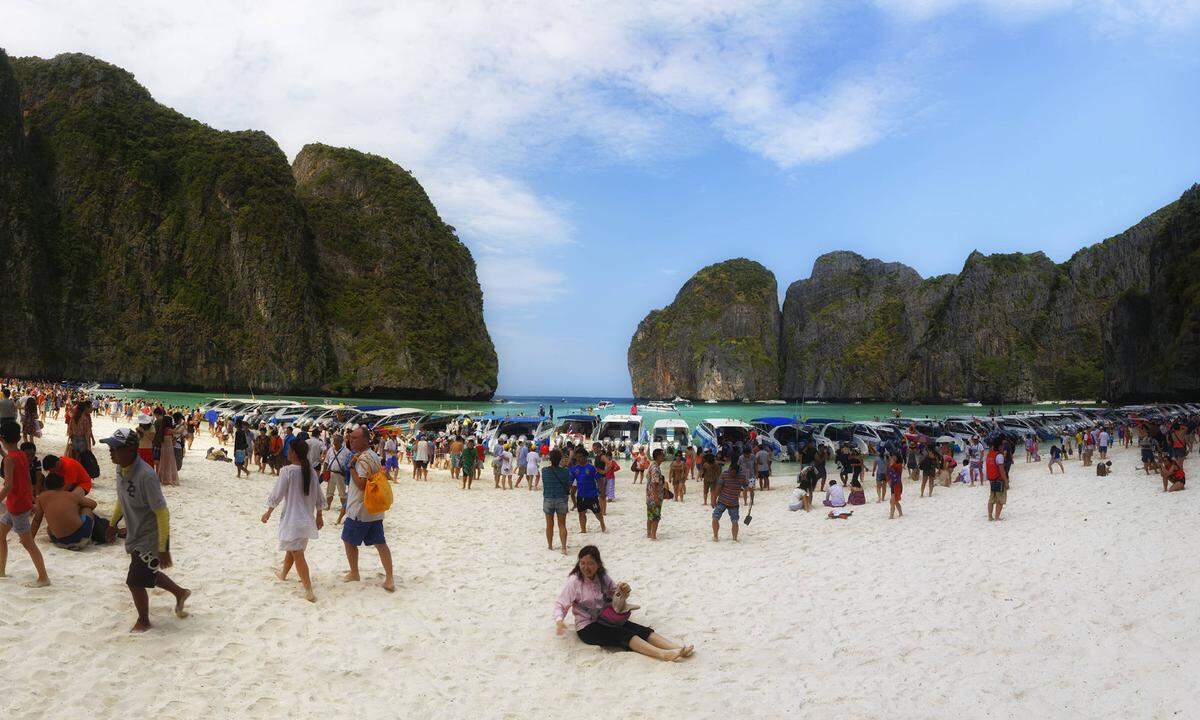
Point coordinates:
[[1079, 604]]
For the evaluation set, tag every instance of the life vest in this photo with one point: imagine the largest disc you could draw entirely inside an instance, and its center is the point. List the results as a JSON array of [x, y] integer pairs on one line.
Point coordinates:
[[993, 469]]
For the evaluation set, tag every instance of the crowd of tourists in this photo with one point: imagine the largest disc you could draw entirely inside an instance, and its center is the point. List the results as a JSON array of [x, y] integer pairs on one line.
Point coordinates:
[[310, 468]]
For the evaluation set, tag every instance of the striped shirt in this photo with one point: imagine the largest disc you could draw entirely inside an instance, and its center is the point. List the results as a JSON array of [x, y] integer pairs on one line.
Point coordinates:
[[730, 486]]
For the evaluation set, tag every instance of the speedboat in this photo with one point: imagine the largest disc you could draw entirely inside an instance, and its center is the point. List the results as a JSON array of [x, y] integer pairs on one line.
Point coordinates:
[[710, 434], [627, 428], [769, 402], [681, 402], [574, 428], [669, 435], [604, 404], [658, 406]]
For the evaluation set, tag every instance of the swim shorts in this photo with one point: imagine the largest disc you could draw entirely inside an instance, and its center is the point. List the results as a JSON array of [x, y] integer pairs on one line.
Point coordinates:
[[654, 512], [391, 463], [588, 504], [998, 497], [83, 533], [20, 523], [734, 512], [143, 568], [356, 532], [239, 457]]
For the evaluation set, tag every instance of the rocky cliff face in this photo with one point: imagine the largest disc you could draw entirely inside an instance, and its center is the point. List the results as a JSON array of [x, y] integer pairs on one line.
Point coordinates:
[[719, 339], [403, 285], [165, 253], [1119, 320]]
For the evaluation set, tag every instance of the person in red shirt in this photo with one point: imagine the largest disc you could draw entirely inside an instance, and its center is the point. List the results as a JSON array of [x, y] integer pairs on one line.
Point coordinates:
[[17, 495], [75, 477], [997, 476]]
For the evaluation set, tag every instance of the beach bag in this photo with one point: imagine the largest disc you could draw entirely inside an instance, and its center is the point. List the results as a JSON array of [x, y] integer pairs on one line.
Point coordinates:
[[377, 495], [88, 460], [612, 618]]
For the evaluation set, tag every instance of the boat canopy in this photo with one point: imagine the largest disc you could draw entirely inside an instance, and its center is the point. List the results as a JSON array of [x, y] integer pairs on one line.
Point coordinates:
[[775, 421]]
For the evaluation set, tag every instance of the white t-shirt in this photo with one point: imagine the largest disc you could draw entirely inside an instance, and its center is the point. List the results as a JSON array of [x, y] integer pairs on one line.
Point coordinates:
[[837, 496], [531, 463]]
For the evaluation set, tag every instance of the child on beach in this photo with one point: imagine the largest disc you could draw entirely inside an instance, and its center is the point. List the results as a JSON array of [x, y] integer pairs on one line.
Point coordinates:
[[298, 490], [1056, 459]]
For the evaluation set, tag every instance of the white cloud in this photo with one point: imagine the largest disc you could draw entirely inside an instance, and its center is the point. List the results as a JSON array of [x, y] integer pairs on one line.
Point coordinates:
[[1109, 15], [469, 95]]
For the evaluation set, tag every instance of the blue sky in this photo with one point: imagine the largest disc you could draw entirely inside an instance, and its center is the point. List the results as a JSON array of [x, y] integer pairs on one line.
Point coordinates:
[[595, 156]]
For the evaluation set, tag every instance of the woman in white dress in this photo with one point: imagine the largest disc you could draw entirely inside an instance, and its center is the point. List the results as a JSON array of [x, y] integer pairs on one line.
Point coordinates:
[[298, 489]]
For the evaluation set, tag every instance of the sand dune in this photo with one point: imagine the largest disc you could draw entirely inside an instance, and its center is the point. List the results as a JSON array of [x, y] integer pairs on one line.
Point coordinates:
[[1078, 604]]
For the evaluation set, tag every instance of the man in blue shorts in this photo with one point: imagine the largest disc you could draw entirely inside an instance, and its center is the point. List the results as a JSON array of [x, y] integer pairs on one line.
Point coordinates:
[[362, 527]]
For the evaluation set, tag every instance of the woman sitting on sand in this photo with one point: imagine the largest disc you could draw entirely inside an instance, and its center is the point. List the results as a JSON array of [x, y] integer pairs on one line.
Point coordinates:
[[1174, 479], [588, 591]]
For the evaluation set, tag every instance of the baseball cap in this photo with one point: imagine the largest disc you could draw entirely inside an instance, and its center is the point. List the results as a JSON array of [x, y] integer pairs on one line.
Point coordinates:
[[143, 419], [121, 438]]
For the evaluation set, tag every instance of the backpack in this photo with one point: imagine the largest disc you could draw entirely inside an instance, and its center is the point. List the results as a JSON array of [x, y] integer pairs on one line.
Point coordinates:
[[377, 494], [88, 460]]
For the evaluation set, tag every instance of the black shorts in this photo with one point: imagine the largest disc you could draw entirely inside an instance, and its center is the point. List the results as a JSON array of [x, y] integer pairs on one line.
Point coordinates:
[[609, 636], [764, 474], [586, 504], [143, 571], [418, 464]]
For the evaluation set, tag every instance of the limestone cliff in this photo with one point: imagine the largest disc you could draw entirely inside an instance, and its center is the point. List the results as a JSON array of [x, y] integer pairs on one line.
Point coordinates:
[[719, 338], [154, 250], [403, 286], [1118, 320]]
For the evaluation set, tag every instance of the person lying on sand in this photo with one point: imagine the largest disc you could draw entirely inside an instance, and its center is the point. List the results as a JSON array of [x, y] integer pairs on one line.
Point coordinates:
[[588, 591]]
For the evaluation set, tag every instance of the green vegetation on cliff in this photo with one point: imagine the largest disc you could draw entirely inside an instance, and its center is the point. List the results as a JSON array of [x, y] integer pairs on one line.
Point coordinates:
[[184, 256], [718, 339]]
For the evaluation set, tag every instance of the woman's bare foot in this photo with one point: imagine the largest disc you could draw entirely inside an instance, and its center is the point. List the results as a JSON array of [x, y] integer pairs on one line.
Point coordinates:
[[687, 651], [179, 601], [40, 582], [389, 585], [350, 577], [671, 655], [309, 595], [279, 574], [139, 627]]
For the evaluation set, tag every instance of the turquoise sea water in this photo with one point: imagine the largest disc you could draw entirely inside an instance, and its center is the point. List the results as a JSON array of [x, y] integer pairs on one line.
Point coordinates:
[[563, 405]]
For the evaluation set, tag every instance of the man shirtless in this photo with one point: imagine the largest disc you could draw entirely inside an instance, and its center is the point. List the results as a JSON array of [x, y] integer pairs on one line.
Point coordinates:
[[69, 515]]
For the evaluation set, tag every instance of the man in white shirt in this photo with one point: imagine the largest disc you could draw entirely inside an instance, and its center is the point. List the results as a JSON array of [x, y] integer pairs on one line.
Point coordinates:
[[422, 455], [362, 527], [337, 463]]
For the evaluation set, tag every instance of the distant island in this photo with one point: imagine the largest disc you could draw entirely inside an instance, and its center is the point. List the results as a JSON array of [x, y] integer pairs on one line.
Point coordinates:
[[143, 247], [1119, 320]]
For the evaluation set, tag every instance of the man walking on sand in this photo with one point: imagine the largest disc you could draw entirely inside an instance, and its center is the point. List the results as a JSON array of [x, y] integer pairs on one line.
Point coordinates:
[[362, 527], [997, 476], [147, 527]]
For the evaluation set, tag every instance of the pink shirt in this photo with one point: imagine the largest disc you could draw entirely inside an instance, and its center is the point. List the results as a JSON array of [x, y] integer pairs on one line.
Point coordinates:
[[584, 598]]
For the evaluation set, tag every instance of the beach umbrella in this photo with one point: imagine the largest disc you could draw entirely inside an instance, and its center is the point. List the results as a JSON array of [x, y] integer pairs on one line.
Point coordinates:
[[945, 439]]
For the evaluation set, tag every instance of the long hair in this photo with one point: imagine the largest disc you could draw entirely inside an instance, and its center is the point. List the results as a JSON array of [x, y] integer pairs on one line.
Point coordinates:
[[594, 553], [300, 447]]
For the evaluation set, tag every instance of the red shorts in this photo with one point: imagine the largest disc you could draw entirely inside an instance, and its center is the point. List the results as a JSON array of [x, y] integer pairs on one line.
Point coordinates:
[[897, 490]]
